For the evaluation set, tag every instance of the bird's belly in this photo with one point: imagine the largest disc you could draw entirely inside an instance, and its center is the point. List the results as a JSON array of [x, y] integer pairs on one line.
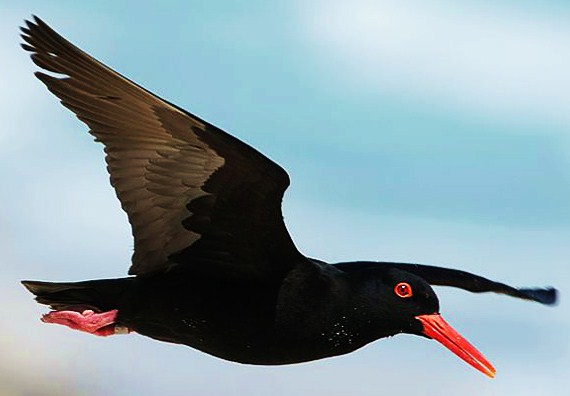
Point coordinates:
[[231, 320], [249, 348], [252, 340]]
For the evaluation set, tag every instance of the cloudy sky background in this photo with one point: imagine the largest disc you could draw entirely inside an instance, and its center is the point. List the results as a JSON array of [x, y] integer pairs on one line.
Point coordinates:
[[419, 131]]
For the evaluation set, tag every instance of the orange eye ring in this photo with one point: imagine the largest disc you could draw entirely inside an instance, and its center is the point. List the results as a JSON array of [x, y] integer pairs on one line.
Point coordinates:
[[403, 290]]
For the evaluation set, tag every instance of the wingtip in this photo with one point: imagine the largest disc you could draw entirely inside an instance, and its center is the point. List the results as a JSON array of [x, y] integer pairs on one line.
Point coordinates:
[[546, 296], [31, 24], [33, 20], [26, 31], [32, 286]]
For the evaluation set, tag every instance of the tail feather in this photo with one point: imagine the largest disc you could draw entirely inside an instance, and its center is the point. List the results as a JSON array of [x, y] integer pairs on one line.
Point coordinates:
[[96, 295]]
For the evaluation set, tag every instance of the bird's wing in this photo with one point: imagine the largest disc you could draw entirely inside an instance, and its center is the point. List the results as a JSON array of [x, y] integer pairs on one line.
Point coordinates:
[[438, 276], [192, 193]]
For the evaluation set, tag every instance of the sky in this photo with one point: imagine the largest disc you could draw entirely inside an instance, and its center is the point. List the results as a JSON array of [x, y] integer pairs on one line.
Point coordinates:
[[426, 131]]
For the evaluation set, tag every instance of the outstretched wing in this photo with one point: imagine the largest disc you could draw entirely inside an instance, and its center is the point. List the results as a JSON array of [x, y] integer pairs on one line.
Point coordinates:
[[193, 193], [438, 276]]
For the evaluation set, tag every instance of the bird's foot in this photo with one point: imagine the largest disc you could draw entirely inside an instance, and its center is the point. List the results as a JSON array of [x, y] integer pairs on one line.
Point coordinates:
[[99, 324]]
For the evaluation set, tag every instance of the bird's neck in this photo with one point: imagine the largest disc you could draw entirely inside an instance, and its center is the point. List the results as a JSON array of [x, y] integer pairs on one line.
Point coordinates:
[[328, 307]]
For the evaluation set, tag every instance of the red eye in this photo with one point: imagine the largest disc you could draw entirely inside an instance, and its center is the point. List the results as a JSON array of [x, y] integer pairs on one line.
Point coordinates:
[[403, 290]]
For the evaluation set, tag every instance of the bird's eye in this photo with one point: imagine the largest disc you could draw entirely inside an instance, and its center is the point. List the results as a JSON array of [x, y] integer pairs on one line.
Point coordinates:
[[403, 290]]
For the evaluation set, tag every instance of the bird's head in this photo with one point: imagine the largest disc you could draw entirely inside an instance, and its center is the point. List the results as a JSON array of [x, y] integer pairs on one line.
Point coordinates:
[[406, 303]]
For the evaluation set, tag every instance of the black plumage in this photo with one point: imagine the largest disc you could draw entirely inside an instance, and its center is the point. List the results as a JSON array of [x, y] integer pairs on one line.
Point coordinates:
[[214, 265]]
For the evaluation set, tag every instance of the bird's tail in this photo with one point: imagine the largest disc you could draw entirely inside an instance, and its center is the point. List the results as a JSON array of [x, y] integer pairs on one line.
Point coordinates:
[[96, 295]]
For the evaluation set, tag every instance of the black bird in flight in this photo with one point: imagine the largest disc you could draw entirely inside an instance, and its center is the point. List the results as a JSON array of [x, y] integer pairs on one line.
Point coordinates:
[[214, 266]]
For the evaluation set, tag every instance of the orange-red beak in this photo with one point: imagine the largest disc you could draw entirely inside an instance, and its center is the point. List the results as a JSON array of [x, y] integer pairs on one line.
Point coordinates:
[[435, 327]]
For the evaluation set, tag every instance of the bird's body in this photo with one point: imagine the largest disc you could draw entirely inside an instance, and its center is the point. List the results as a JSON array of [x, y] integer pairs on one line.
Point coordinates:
[[316, 311], [214, 265], [248, 322]]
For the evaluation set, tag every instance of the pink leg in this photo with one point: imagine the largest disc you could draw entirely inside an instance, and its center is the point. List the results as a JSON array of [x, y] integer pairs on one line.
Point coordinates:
[[100, 324]]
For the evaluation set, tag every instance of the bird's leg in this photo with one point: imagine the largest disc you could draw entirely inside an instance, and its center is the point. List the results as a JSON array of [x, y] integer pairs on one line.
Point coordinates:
[[100, 324]]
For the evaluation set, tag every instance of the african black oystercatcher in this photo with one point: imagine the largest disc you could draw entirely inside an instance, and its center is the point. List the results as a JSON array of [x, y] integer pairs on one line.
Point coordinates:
[[214, 266]]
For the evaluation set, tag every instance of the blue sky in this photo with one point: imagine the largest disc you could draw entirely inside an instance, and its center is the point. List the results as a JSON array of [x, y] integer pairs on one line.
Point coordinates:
[[422, 131]]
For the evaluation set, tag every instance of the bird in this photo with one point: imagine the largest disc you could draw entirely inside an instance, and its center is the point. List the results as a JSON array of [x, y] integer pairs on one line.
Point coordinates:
[[214, 267]]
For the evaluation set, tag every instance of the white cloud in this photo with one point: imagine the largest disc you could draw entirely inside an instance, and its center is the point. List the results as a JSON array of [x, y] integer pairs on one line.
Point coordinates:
[[489, 58]]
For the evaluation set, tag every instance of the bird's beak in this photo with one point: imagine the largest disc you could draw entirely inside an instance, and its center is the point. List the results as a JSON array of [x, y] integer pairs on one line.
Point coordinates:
[[435, 327]]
